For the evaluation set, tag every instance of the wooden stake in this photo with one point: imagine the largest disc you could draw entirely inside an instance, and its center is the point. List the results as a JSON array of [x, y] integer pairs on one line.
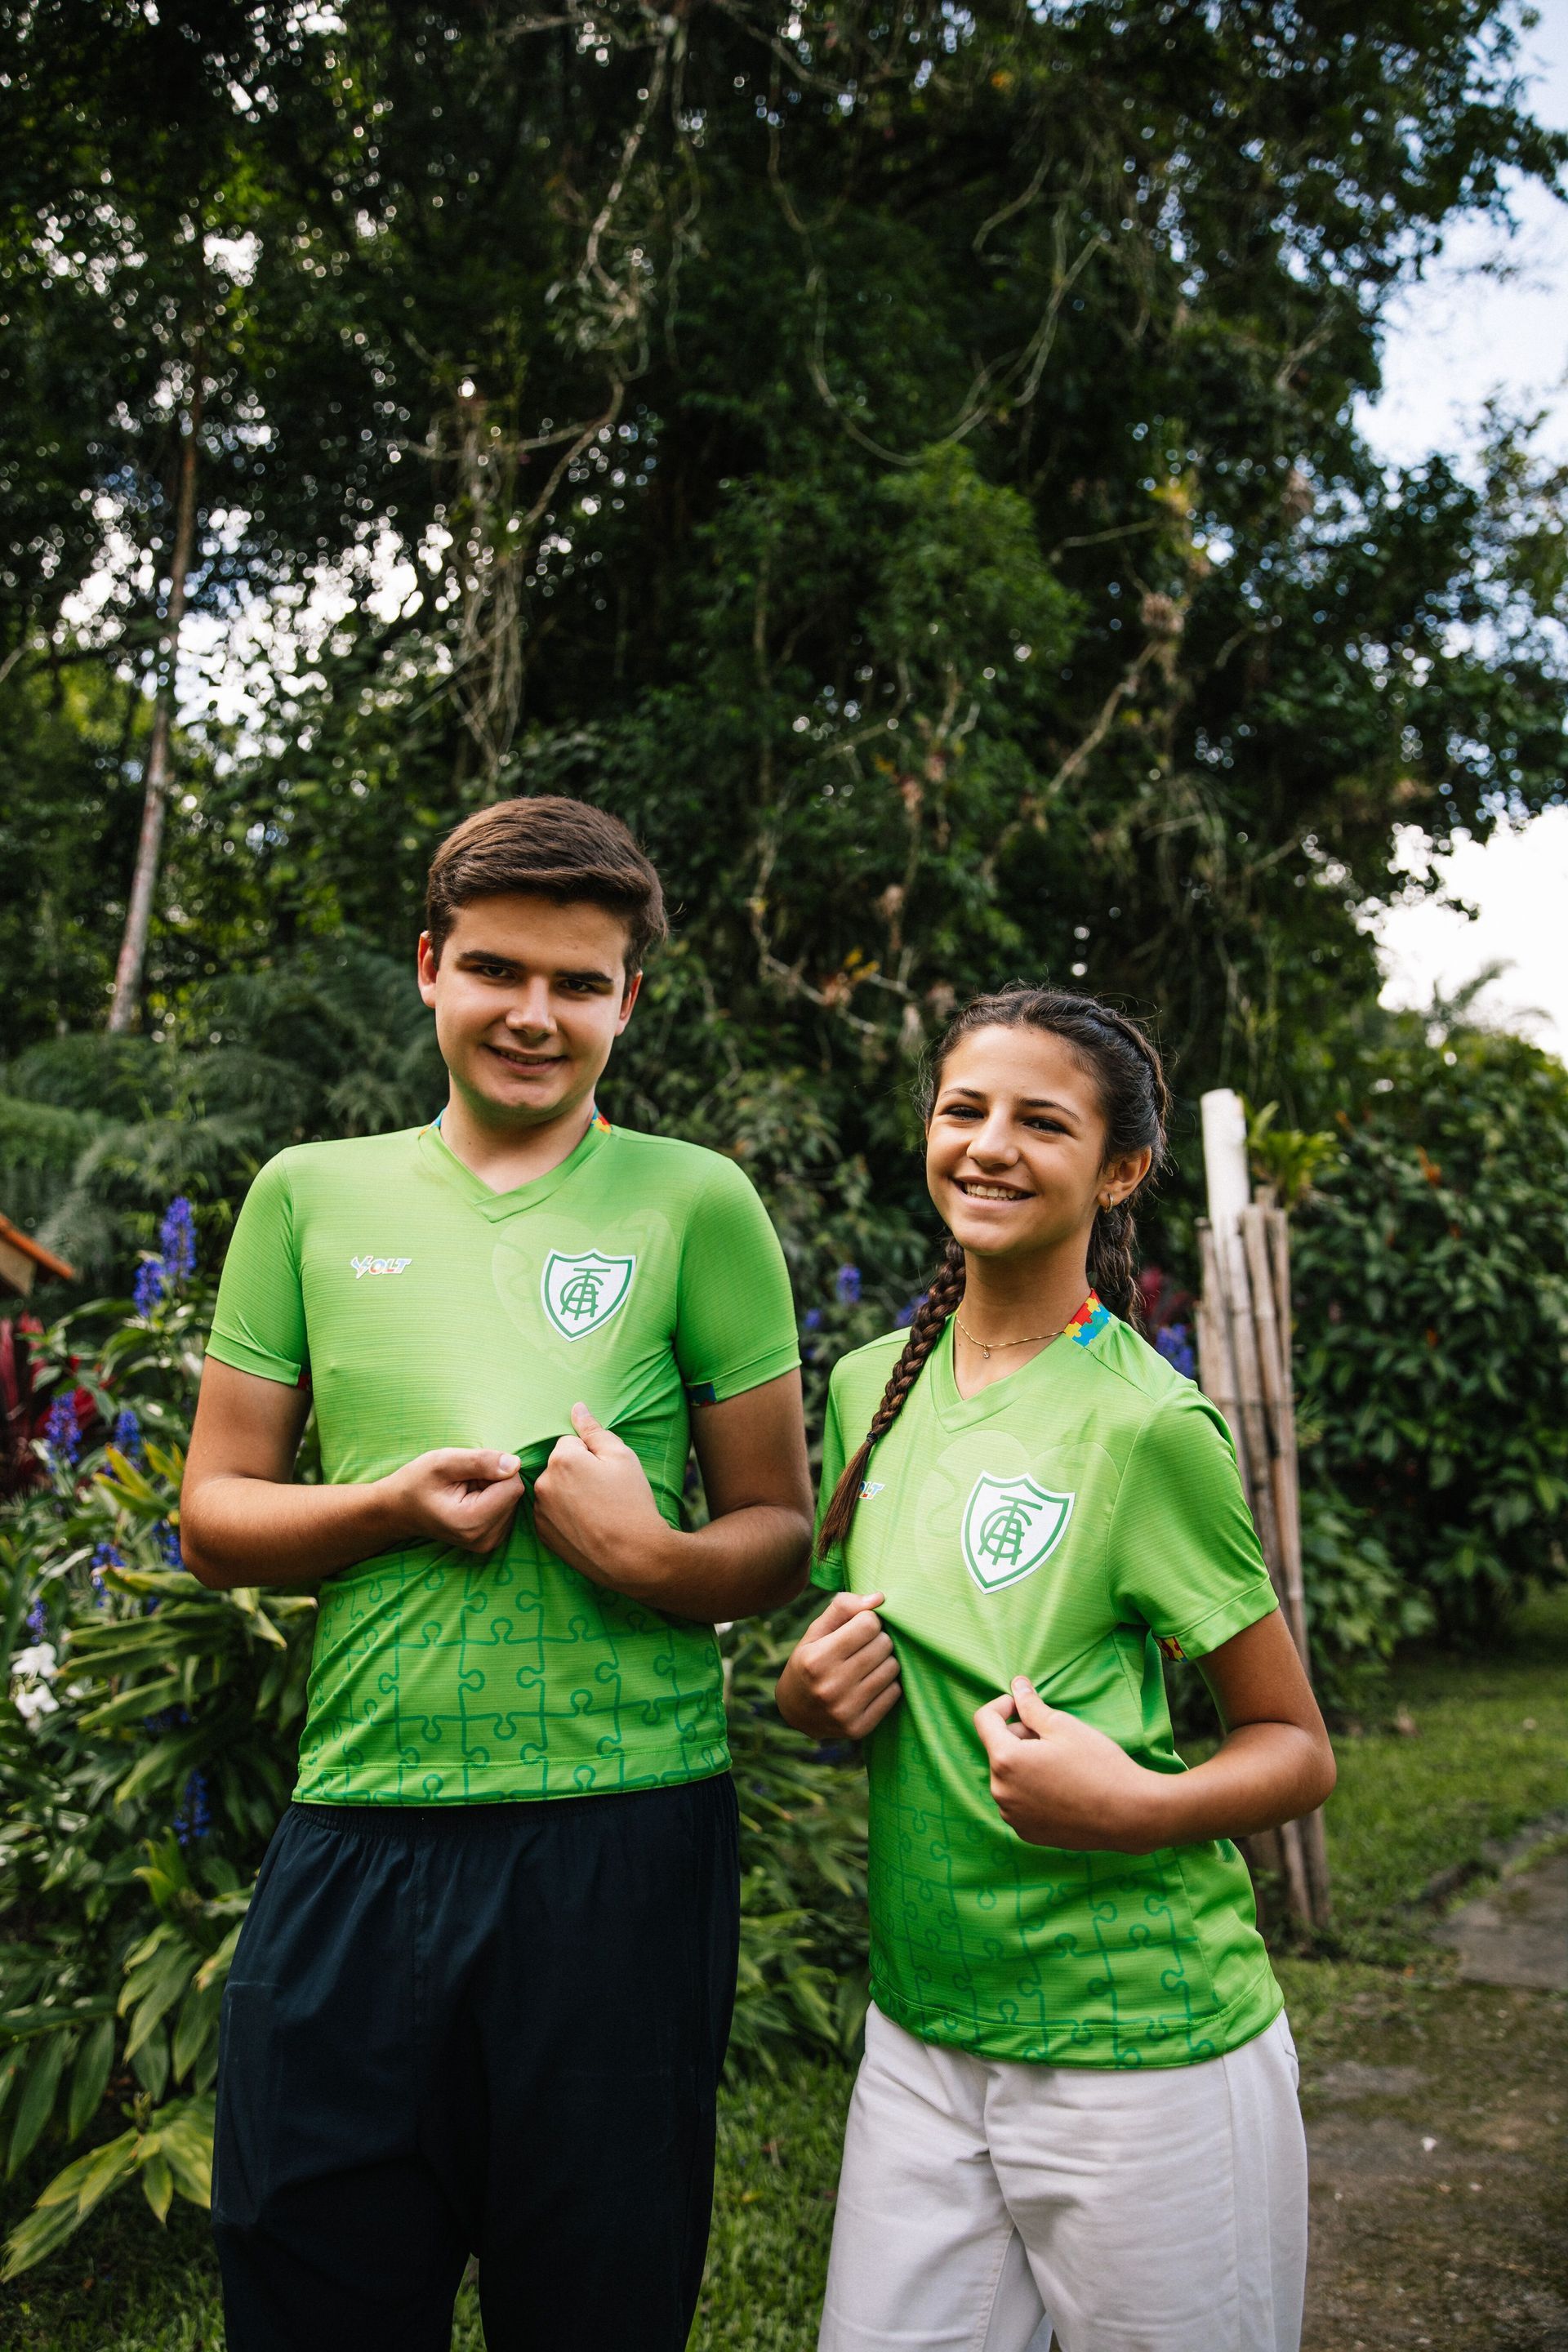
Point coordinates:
[[1244, 1356]]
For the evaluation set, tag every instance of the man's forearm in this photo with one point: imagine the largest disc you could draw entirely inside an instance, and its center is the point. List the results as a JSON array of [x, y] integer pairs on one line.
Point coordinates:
[[741, 1565], [237, 1530]]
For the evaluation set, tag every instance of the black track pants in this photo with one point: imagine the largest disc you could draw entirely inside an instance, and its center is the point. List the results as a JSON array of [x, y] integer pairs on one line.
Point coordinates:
[[494, 2028]]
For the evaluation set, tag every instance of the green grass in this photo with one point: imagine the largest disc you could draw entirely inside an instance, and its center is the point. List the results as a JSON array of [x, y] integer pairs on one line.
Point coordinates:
[[1487, 1753]]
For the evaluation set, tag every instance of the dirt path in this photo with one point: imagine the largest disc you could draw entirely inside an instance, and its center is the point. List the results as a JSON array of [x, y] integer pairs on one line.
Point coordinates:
[[1435, 2112]]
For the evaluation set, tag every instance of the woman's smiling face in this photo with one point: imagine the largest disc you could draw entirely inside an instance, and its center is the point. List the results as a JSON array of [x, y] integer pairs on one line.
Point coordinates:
[[1015, 1147]]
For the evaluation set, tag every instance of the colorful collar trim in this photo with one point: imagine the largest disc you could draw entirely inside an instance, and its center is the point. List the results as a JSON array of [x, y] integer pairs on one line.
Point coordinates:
[[1089, 1322]]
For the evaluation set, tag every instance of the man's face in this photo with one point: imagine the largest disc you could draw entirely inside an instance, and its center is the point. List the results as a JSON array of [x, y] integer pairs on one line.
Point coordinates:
[[528, 998]]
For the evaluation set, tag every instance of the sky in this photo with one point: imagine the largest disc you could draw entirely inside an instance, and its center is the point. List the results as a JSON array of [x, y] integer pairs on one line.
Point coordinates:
[[1454, 339]]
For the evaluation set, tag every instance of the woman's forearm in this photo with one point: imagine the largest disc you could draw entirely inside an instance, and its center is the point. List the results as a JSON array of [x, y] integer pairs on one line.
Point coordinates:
[[1262, 1775]]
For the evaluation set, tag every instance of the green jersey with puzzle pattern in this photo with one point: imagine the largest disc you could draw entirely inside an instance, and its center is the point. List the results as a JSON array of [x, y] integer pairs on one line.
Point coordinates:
[[640, 1276], [1066, 1523]]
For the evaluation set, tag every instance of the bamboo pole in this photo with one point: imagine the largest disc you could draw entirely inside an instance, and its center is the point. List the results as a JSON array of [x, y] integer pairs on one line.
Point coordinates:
[[1216, 1362], [1261, 1439], [1244, 1349], [1281, 1415], [1314, 1844]]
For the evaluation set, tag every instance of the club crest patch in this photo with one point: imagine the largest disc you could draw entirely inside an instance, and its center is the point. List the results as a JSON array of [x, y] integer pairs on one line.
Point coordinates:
[[1010, 1526], [582, 1293]]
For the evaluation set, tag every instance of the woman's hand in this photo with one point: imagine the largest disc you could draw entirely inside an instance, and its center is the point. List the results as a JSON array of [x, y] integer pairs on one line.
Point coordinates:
[[842, 1678], [1057, 1781]]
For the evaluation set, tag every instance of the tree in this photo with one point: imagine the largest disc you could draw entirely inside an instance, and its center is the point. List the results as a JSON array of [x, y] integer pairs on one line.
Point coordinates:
[[1432, 1278]]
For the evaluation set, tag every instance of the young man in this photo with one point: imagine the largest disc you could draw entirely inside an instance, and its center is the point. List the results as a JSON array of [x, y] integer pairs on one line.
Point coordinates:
[[482, 1998]]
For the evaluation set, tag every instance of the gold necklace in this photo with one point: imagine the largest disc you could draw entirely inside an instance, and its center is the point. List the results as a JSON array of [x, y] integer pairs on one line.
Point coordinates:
[[1028, 1341]]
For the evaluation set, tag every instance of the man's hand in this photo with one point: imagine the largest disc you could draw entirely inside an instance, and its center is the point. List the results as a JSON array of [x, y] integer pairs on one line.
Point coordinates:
[[243, 1521], [593, 1507], [1059, 1781], [458, 1495], [842, 1678]]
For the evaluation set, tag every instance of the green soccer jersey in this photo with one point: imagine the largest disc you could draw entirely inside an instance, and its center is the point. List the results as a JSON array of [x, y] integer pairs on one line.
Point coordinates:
[[1064, 1523], [638, 1277]]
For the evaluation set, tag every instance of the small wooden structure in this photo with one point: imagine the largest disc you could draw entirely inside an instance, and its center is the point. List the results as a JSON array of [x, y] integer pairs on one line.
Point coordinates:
[[1244, 1364], [22, 1258]]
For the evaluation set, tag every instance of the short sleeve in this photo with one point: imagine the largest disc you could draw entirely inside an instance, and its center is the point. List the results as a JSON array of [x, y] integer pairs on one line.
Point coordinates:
[[735, 1316], [1185, 1555], [830, 1573], [259, 1325]]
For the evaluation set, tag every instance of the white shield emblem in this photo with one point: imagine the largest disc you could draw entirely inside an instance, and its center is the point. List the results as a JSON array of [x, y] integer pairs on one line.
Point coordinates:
[[1010, 1526], [581, 1293]]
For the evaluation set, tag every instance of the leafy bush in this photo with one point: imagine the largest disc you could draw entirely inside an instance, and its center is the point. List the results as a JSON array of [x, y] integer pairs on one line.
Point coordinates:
[[143, 1762], [1432, 1303], [1359, 1606]]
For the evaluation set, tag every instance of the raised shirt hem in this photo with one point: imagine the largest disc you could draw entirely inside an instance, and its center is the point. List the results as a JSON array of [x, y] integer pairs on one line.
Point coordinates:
[[1118, 2045]]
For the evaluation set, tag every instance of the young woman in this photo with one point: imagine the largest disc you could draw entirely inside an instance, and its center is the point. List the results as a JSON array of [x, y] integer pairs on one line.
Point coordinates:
[[1077, 2102]]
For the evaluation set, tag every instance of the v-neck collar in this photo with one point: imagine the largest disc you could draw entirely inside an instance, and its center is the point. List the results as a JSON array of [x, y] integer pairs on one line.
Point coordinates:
[[439, 1156], [955, 1411]]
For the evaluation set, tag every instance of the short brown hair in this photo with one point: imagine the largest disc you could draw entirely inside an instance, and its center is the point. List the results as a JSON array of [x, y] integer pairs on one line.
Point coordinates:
[[548, 847]]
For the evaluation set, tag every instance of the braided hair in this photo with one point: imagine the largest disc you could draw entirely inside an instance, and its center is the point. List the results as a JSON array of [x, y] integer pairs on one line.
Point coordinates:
[[1136, 1105]]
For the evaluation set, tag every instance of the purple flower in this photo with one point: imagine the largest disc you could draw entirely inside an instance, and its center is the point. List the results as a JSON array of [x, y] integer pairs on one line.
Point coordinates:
[[193, 1819], [168, 1543], [38, 1622], [152, 1280], [1174, 1343], [126, 1436], [177, 1239], [104, 1555], [811, 1319], [61, 1434], [846, 1283], [907, 1313]]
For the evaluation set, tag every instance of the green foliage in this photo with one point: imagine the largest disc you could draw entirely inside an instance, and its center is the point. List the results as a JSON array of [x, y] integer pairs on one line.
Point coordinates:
[[904, 460], [103, 1130], [1360, 1606], [1286, 1157], [803, 1829], [144, 1756], [1432, 1299]]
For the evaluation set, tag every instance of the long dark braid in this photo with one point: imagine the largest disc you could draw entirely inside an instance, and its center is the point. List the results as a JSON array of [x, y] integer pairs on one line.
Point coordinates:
[[1136, 1104], [930, 1315]]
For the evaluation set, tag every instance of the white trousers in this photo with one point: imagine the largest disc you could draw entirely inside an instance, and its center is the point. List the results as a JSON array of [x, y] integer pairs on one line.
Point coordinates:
[[983, 2201]]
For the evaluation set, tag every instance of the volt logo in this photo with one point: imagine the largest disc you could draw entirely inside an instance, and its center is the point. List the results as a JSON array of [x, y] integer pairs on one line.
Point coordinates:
[[363, 1266]]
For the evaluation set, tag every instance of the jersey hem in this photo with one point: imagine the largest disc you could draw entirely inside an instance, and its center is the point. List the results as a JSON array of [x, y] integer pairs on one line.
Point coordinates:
[[661, 1770], [1225, 2030], [240, 1358]]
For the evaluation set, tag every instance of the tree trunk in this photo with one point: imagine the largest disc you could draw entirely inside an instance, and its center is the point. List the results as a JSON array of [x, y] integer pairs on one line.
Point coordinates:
[[125, 1011]]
